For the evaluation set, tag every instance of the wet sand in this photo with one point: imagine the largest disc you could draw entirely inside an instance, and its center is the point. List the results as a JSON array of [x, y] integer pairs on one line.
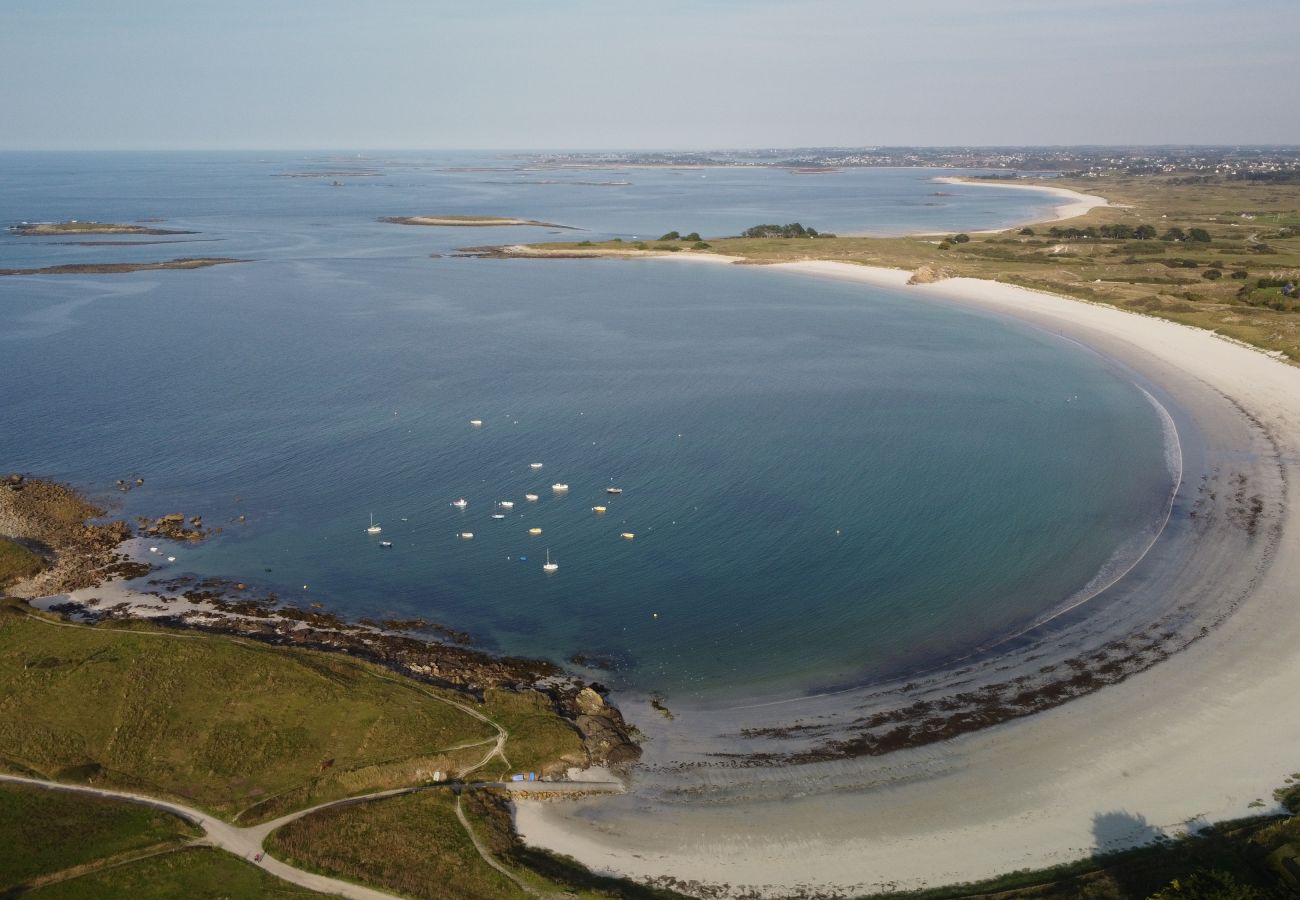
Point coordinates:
[[1197, 729]]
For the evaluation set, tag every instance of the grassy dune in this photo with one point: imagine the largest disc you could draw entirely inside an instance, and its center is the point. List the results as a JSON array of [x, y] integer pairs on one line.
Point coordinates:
[[225, 724], [1253, 230]]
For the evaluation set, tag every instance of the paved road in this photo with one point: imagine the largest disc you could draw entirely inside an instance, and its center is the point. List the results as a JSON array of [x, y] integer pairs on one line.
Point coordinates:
[[247, 842]]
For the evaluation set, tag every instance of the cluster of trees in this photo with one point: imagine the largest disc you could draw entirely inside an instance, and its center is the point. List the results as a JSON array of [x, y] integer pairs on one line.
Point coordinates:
[[793, 230], [676, 236], [1194, 235], [1127, 233], [1117, 232]]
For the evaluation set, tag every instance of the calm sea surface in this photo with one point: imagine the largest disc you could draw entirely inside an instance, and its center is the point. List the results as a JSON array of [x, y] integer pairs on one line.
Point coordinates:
[[826, 481]]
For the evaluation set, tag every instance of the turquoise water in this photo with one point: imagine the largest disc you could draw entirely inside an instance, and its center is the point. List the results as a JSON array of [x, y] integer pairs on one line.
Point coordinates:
[[826, 481]]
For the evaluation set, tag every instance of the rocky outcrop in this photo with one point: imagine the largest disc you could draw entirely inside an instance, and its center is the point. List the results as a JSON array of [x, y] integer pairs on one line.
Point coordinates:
[[929, 275]]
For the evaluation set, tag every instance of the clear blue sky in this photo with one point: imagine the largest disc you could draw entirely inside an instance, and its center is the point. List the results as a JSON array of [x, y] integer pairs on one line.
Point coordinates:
[[126, 74]]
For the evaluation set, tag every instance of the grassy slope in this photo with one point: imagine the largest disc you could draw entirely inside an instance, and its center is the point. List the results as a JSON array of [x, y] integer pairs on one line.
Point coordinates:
[[1125, 273], [43, 832], [222, 723], [415, 845], [17, 562], [197, 873]]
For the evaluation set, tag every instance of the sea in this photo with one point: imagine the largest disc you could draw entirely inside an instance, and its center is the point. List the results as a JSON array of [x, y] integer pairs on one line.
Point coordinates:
[[827, 482]]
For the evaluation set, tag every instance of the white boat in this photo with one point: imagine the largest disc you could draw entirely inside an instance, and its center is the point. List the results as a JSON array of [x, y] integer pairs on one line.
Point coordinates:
[[466, 535], [627, 535], [385, 543], [559, 486], [477, 423], [373, 529], [534, 465], [171, 559], [534, 531], [498, 515], [613, 491], [460, 503], [550, 566], [598, 509], [531, 498], [507, 504]]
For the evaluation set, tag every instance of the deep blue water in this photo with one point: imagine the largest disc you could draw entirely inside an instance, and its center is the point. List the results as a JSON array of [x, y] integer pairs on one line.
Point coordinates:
[[826, 481]]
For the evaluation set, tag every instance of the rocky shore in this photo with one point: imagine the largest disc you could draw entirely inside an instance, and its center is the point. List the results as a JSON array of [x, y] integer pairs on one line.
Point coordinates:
[[42, 229], [119, 268], [54, 519]]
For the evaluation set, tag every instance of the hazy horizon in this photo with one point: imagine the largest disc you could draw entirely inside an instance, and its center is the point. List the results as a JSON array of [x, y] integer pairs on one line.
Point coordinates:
[[708, 74]]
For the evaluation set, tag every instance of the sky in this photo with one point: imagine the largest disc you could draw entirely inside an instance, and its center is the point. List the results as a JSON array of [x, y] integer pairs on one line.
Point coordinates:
[[654, 74]]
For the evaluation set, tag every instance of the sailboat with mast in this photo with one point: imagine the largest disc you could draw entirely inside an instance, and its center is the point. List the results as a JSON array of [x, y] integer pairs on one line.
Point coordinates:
[[549, 566], [373, 529]]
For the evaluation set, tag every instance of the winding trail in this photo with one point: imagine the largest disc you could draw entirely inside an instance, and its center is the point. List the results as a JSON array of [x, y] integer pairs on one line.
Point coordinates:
[[247, 842]]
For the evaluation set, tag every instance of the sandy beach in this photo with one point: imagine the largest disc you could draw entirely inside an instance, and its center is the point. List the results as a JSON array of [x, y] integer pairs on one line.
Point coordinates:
[[1200, 734], [1075, 203]]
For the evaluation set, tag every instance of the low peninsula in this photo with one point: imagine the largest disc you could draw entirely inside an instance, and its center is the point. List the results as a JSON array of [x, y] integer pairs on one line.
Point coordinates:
[[201, 262], [470, 221], [74, 226]]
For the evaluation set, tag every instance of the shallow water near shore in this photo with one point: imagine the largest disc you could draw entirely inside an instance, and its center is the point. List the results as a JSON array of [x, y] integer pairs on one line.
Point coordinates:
[[827, 482]]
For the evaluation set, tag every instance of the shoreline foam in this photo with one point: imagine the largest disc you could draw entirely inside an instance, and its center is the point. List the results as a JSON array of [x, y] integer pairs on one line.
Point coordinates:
[[1199, 736]]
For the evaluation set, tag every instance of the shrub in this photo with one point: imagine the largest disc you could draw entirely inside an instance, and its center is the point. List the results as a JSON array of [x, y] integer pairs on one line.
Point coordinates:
[[1027, 232], [945, 245], [700, 245], [693, 236], [1199, 235], [1240, 274], [671, 236], [961, 238], [1211, 274]]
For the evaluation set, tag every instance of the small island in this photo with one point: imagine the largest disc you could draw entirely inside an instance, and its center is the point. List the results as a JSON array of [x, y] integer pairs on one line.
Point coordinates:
[[75, 226], [469, 221], [119, 268]]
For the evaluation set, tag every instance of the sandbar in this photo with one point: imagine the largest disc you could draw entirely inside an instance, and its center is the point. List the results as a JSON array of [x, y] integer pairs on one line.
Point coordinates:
[[469, 221], [1204, 734]]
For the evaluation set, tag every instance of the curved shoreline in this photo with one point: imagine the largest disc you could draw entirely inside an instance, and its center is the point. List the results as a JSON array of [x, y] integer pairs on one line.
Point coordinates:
[[1076, 203], [1033, 791]]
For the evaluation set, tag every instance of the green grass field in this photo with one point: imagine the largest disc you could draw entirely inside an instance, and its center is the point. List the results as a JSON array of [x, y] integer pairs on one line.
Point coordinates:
[[43, 832], [224, 724], [196, 873]]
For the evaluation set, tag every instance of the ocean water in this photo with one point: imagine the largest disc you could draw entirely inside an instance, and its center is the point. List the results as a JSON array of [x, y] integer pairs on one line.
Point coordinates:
[[827, 482]]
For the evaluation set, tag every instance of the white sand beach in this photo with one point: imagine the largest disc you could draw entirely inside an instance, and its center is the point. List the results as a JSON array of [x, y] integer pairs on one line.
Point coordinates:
[[1075, 203], [1204, 735]]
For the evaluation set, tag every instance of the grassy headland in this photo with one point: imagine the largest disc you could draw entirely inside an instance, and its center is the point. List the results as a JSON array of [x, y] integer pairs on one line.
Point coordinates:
[[1147, 252], [231, 726]]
